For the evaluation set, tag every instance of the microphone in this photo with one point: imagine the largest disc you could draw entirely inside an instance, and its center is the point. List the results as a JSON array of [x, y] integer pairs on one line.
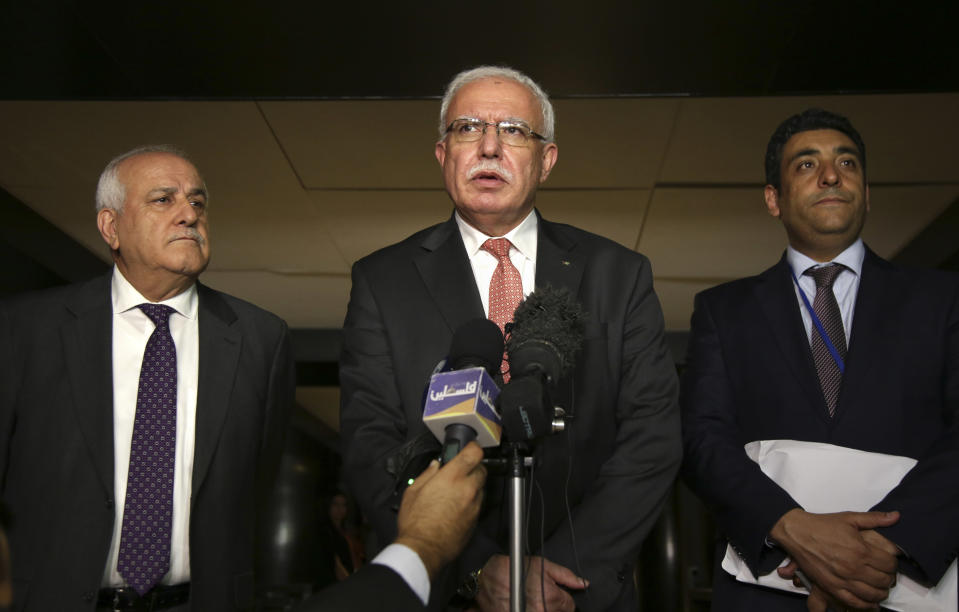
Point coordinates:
[[546, 333], [461, 404]]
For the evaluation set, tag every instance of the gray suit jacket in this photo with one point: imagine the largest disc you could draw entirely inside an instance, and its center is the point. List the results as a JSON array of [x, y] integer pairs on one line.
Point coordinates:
[[56, 442]]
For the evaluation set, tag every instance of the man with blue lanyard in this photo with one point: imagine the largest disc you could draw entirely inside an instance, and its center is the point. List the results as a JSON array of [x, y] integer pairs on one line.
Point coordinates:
[[831, 345]]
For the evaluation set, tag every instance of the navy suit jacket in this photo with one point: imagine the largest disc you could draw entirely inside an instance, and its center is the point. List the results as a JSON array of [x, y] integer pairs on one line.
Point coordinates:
[[621, 448], [750, 376], [56, 442]]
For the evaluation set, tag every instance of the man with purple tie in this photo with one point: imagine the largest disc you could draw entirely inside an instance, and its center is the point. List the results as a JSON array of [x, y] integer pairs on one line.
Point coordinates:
[[141, 413]]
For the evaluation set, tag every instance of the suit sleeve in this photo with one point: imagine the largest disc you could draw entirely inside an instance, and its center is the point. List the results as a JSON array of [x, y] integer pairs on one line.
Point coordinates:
[[371, 414], [928, 498], [624, 501], [372, 589], [8, 383], [745, 502], [280, 399]]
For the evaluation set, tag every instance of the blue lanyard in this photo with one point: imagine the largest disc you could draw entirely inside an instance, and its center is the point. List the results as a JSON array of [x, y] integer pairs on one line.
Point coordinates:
[[819, 327]]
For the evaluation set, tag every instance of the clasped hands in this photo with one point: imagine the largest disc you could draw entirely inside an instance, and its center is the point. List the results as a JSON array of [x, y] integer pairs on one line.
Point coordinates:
[[849, 564]]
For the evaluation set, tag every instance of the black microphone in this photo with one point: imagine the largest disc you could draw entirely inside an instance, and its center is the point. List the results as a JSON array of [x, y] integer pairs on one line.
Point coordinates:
[[546, 334], [461, 404]]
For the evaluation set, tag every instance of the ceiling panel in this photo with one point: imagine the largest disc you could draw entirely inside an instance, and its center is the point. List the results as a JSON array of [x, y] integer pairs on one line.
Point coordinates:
[[366, 144], [723, 140], [710, 233], [615, 214], [302, 300], [289, 249], [54, 151], [361, 222], [898, 214], [611, 142]]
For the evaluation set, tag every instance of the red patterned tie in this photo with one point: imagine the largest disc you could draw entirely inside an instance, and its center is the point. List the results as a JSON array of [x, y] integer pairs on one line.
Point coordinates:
[[144, 556], [827, 309], [505, 289]]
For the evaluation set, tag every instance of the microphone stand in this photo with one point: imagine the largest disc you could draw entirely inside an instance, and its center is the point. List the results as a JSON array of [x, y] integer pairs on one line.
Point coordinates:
[[518, 464]]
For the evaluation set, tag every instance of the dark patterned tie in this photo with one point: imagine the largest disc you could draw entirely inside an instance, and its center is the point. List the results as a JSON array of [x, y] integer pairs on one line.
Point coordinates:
[[827, 309], [144, 555], [505, 289]]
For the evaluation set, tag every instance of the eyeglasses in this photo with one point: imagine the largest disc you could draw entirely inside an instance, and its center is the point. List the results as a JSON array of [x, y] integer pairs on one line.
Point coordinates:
[[512, 133]]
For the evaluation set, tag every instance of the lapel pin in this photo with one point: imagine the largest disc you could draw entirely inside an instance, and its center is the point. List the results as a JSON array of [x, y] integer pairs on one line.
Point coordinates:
[[564, 262]]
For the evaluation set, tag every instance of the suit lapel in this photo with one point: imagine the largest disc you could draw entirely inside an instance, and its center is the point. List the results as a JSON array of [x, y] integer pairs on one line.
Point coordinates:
[[875, 304], [87, 348], [558, 262], [220, 346], [776, 295], [448, 276]]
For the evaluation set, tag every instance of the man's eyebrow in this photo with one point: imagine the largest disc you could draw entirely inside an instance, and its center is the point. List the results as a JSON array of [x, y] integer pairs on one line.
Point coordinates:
[[850, 150], [161, 190], [803, 153], [197, 191]]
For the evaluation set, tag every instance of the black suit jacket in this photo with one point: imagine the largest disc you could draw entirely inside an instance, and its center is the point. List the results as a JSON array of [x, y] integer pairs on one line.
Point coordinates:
[[621, 448], [56, 442], [750, 376], [374, 588]]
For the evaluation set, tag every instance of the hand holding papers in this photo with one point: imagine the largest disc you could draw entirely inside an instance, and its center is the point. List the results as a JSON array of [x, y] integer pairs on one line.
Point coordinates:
[[825, 478]]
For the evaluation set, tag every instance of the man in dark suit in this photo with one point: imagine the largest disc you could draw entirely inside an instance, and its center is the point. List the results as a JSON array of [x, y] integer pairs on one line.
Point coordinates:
[[139, 412], [767, 361], [616, 460]]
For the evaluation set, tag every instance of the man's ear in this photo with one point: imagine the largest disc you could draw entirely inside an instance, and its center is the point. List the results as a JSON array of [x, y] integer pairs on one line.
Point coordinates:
[[550, 155], [772, 200], [441, 152], [107, 224]]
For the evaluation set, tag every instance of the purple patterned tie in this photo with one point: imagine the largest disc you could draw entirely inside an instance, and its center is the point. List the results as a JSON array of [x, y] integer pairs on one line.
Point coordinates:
[[144, 555], [827, 309]]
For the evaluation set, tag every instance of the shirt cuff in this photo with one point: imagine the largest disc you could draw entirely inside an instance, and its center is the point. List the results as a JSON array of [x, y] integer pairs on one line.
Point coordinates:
[[404, 561]]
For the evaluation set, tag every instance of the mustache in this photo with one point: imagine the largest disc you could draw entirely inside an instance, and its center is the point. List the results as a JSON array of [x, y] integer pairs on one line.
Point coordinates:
[[490, 165], [190, 232]]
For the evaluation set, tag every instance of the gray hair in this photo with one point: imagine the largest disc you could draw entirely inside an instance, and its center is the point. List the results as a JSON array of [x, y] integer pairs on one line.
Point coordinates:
[[110, 189], [503, 72]]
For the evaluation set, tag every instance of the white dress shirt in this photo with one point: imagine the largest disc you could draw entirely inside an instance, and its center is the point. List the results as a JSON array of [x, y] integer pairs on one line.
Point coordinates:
[[131, 330], [522, 254], [845, 287]]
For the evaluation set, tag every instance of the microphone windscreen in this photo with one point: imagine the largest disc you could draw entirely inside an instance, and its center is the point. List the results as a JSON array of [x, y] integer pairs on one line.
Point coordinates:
[[477, 344], [549, 320]]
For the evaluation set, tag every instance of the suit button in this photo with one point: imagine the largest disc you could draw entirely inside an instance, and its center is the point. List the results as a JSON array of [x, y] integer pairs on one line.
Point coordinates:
[[109, 504], [89, 596]]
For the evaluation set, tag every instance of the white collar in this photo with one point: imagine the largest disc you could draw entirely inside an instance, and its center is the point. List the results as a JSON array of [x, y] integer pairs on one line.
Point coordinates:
[[852, 258], [523, 236], [125, 297]]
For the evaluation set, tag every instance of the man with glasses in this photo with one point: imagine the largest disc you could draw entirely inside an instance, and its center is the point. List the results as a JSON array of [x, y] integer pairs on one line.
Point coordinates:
[[598, 487]]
